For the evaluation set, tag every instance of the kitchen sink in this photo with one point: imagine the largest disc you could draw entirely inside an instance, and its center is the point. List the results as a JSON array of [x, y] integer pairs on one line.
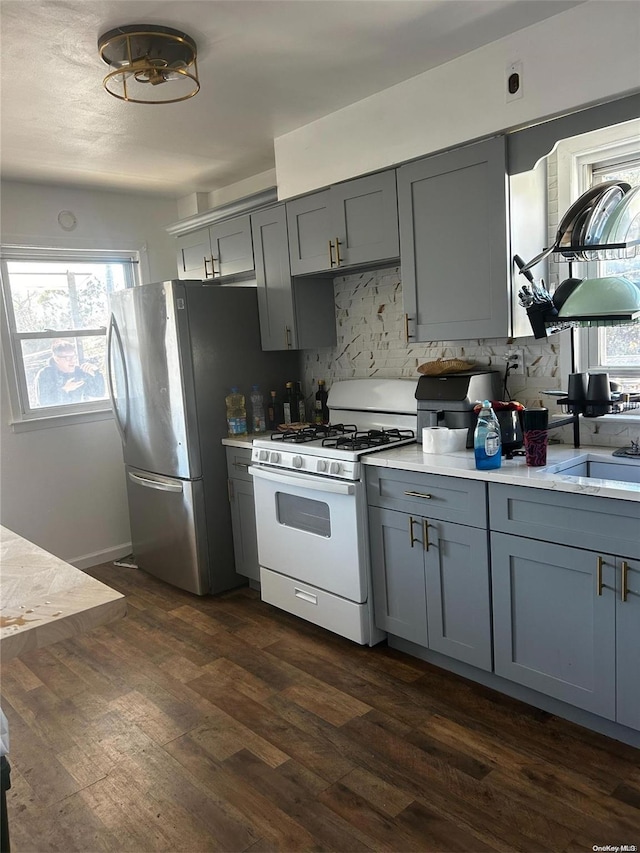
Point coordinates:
[[597, 466]]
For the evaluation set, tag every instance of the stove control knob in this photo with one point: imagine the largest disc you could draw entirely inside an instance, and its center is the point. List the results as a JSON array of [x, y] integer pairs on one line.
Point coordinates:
[[335, 468], [263, 455], [275, 457], [322, 465], [297, 461]]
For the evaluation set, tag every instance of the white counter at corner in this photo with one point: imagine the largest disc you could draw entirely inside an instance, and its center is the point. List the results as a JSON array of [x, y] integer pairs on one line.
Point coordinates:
[[45, 599], [243, 440], [514, 472]]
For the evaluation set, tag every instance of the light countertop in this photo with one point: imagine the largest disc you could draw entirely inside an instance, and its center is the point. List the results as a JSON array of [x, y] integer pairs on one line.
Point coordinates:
[[244, 440], [45, 599], [515, 472]]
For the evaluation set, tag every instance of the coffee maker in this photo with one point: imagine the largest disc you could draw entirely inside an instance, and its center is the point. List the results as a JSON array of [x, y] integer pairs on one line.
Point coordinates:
[[448, 400]]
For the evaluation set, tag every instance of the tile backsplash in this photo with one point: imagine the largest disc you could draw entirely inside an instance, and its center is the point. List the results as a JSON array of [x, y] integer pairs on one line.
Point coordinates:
[[370, 342]]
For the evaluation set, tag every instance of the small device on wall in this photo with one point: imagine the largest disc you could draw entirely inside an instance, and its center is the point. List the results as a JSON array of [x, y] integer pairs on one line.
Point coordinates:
[[67, 220], [514, 81]]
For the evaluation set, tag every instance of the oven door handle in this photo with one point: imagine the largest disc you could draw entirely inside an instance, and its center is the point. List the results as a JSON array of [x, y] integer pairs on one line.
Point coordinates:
[[304, 481]]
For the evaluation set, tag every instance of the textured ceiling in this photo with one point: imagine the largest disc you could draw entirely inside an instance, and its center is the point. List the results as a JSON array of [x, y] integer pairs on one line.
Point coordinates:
[[266, 67]]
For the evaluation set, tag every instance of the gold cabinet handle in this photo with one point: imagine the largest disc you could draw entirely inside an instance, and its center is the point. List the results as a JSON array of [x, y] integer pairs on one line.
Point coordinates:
[[425, 534], [332, 263], [338, 258], [287, 337], [599, 563], [206, 271], [412, 539], [418, 495], [624, 580]]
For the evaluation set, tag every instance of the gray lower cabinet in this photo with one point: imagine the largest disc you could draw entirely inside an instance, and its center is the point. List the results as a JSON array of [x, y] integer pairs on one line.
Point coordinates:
[[350, 224], [294, 313], [552, 629], [628, 643], [218, 251], [430, 582], [566, 597], [243, 518], [454, 247]]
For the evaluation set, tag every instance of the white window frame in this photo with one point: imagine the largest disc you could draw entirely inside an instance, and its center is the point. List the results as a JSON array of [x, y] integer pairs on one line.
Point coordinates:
[[577, 158], [23, 416]]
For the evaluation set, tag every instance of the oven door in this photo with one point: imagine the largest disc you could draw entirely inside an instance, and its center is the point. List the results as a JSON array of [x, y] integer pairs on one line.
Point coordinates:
[[312, 529]]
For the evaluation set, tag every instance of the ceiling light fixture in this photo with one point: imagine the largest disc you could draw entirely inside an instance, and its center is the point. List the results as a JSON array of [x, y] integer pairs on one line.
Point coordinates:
[[143, 57]]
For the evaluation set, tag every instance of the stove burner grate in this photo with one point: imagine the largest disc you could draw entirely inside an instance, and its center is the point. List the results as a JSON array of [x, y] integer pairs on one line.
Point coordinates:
[[365, 440], [314, 432]]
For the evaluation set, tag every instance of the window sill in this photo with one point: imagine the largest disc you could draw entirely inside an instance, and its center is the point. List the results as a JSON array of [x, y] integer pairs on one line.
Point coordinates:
[[60, 420]]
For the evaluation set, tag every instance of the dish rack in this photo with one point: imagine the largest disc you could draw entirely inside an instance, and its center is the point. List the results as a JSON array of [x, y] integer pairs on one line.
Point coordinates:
[[544, 319], [597, 252], [597, 407]]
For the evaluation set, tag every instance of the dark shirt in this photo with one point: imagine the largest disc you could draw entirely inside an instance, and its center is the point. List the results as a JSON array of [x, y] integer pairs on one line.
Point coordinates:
[[50, 380]]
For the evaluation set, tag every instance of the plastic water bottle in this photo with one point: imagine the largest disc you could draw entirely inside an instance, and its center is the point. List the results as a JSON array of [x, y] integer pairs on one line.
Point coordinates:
[[487, 439], [236, 413], [258, 423]]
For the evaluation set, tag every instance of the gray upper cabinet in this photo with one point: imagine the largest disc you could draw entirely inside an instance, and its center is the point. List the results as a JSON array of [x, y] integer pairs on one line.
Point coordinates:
[[351, 224], [194, 255], [221, 250], [454, 246], [294, 314]]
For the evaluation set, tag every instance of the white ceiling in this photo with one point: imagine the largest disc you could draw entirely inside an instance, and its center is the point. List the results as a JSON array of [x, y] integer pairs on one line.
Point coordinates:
[[266, 67]]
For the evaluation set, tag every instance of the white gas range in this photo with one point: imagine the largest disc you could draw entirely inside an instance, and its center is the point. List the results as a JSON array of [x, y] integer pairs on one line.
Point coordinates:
[[311, 507]]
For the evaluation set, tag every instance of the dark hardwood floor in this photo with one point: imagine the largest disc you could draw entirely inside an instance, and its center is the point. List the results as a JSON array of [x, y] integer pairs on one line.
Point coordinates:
[[223, 724]]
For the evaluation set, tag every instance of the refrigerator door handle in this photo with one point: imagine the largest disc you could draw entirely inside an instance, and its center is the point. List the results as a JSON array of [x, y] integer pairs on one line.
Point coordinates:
[[114, 332], [154, 484]]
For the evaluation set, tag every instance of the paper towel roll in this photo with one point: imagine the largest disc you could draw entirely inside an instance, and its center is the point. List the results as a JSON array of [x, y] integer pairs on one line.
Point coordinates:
[[443, 440]]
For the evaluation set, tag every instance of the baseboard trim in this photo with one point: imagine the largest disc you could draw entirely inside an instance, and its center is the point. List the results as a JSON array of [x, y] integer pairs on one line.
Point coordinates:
[[97, 557]]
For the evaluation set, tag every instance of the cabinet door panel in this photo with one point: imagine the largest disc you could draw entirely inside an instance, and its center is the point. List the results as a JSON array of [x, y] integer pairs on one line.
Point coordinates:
[[275, 293], [193, 248], [364, 215], [458, 599], [231, 246], [399, 593], [309, 233], [453, 243], [628, 646], [243, 521], [552, 631]]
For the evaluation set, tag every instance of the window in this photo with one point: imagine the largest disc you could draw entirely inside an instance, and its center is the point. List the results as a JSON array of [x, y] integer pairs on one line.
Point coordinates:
[[56, 311], [616, 349]]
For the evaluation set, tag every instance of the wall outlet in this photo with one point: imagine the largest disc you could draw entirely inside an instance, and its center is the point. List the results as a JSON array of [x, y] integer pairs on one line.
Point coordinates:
[[515, 358], [513, 81]]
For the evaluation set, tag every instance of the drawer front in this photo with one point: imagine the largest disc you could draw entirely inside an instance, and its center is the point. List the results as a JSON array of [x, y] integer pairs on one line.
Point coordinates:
[[585, 521], [238, 459], [336, 614], [429, 495]]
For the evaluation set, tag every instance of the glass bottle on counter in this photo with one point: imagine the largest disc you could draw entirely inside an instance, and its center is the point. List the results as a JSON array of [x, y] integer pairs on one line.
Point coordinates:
[[258, 421], [273, 412], [302, 409], [289, 404], [321, 408], [236, 413]]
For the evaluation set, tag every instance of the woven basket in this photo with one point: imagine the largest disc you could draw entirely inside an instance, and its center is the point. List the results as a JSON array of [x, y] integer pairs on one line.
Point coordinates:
[[444, 365]]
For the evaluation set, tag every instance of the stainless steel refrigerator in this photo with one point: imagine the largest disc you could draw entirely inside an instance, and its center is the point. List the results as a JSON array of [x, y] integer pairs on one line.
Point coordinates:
[[175, 349]]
